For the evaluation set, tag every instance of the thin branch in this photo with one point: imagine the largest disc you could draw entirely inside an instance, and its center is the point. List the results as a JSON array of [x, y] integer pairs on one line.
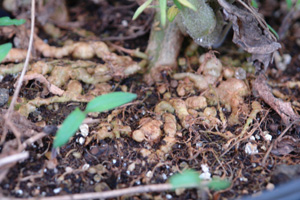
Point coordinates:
[[18, 88], [104, 195], [14, 158]]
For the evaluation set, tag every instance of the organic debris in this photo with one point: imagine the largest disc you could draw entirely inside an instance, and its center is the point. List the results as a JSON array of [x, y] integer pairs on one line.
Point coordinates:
[[196, 111]]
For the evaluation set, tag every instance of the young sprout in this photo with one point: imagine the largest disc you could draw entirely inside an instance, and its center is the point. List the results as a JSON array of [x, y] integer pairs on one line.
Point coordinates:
[[99, 104]]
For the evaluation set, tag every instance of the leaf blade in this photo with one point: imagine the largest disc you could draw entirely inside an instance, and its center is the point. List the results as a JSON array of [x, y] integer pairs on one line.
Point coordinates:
[[68, 127], [179, 6], [4, 49], [172, 13], [141, 9], [109, 101], [7, 21], [218, 184], [187, 178], [186, 3], [163, 11]]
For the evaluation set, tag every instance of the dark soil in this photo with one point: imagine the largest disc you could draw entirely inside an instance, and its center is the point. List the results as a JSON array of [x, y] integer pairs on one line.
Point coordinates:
[[249, 174]]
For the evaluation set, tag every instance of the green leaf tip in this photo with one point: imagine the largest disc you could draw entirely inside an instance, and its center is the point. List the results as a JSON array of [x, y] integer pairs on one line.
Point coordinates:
[[254, 3], [273, 31], [109, 101], [186, 3], [68, 127], [141, 9], [4, 49]]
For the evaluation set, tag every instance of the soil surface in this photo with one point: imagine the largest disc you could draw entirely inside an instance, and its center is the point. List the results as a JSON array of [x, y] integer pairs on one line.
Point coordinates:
[[255, 151]]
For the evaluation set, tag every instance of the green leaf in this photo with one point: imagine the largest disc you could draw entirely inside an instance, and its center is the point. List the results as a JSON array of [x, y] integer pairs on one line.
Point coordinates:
[[172, 12], [187, 178], [163, 11], [289, 4], [218, 184], [109, 101], [69, 127], [186, 3], [141, 9], [7, 21], [179, 6], [4, 49], [254, 3], [273, 31]]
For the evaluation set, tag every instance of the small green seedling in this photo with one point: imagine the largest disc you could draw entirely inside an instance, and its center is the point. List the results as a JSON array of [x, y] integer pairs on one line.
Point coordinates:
[[6, 21], [99, 104], [254, 4], [190, 179], [164, 14]]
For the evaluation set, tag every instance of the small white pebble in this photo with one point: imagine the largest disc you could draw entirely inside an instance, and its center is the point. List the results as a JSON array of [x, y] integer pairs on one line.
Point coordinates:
[[19, 192], [206, 175], [251, 149], [266, 136], [57, 190], [287, 58], [243, 179], [149, 174], [69, 169], [124, 23], [85, 166], [84, 130], [270, 186], [164, 176], [257, 136], [253, 164], [114, 161], [131, 167], [169, 196], [81, 140], [77, 154], [204, 167], [199, 144]]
